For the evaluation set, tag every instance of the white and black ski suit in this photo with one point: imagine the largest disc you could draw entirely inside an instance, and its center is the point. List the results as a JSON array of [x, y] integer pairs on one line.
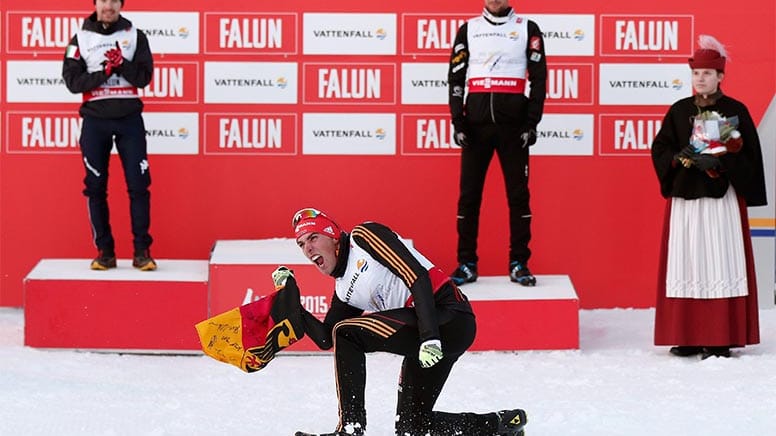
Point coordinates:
[[388, 297]]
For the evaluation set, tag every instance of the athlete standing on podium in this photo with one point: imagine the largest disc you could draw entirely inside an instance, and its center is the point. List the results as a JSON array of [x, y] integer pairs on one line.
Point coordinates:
[[494, 56], [388, 297], [107, 60]]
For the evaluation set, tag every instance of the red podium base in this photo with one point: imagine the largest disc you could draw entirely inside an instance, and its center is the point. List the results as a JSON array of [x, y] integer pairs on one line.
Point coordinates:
[[67, 305], [514, 317], [509, 316]]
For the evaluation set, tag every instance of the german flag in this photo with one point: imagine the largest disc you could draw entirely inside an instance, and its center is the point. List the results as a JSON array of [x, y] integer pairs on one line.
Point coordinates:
[[249, 336]]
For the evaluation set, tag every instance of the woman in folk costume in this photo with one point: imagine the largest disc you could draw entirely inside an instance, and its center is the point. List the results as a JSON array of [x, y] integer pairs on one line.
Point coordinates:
[[708, 160]]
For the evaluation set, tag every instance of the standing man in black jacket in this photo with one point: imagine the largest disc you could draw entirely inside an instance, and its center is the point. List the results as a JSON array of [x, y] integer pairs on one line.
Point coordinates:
[[107, 60], [494, 56]]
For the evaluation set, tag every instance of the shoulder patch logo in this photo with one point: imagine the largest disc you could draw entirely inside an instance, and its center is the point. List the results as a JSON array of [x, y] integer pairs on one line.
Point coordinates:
[[72, 52], [535, 43]]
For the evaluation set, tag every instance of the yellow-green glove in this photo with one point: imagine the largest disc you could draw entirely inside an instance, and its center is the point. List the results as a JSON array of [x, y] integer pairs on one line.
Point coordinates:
[[430, 353]]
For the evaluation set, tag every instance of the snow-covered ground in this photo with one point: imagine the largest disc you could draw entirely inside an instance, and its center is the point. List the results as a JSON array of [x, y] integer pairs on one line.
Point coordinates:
[[618, 383]]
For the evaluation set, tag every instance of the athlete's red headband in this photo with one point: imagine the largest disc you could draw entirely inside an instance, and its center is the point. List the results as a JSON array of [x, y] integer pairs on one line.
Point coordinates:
[[310, 220]]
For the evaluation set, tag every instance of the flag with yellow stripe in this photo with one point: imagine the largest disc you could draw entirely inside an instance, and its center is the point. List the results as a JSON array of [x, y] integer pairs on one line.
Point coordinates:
[[250, 336]]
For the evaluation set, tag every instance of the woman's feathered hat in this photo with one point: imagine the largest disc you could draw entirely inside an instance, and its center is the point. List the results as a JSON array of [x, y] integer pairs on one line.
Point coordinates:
[[710, 54]]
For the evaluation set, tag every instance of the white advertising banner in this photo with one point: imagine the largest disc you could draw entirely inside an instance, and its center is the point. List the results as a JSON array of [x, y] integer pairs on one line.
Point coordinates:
[[567, 35], [168, 32], [349, 34], [251, 82], [643, 84], [351, 133], [424, 83], [172, 132], [37, 82], [564, 135]]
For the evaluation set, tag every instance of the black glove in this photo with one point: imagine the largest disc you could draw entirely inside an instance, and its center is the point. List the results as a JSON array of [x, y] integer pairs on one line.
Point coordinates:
[[460, 138], [705, 162], [460, 132], [685, 156], [688, 151], [528, 137]]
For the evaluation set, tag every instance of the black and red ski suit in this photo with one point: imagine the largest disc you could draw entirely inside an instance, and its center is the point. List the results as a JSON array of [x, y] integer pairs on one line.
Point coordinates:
[[493, 59], [112, 109]]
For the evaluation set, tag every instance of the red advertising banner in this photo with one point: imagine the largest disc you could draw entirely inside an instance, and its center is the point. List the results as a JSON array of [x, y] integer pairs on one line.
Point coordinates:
[[256, 111], [245, 133], [251, 33], [652, 35]]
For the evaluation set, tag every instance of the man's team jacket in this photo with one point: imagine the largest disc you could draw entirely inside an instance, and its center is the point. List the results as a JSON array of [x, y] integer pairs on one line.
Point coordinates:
[[115, 96], [494, 57], [377, 271]]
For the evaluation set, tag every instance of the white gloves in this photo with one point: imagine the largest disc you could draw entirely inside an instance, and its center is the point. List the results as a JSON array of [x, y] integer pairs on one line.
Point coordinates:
[[280, 275], [430, 353]]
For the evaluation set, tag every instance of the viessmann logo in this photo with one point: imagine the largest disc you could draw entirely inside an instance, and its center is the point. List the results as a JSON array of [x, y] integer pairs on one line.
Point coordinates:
[[489, 82]]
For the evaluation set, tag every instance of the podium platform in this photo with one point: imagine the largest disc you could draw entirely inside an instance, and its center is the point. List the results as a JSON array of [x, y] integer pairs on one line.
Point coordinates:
[[514, 317], [67, 305], [509, 316]]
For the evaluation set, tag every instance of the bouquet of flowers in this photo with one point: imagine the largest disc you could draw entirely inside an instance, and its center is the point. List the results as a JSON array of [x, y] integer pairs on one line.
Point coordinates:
[[714, 134]]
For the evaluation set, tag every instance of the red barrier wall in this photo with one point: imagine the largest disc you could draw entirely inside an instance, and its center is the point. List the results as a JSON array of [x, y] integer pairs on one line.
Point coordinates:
[[245, 106]]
